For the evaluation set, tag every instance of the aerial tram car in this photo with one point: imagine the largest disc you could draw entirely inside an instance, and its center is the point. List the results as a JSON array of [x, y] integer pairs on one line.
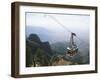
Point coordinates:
[[72, 49]]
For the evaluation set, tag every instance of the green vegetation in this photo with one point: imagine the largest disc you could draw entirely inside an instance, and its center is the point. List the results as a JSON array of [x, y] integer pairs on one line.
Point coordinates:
[[37, 53], [40, 53]]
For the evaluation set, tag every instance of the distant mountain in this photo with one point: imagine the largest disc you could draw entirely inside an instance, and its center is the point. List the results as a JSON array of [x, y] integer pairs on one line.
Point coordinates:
[[42, 42], [44, 34], [83, 52]]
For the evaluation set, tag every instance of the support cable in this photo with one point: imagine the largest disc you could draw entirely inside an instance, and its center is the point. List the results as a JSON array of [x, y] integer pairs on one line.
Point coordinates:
[[53, 18]]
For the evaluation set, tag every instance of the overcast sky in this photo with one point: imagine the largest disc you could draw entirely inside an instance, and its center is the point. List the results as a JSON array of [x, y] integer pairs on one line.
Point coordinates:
[[78, 24]]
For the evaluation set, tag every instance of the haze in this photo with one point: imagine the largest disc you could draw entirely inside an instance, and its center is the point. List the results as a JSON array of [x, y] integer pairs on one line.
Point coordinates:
[[78, 24]]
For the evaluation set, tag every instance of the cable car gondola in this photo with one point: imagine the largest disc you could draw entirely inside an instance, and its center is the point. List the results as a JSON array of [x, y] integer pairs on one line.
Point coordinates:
[[72, 49]]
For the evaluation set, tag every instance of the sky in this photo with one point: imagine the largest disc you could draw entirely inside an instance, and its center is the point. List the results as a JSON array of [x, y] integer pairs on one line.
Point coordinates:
[[60, 25]]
